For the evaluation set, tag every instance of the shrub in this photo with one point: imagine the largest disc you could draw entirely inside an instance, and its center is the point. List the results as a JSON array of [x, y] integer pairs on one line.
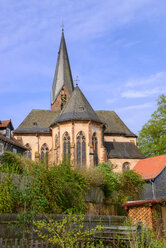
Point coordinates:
[[110, 179], [131, 185], [6, 199], [15, 163], [66, 233]]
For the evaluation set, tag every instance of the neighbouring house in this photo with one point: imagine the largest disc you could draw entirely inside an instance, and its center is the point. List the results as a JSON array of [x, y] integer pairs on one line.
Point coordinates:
[[153, 171], [73, 129], [7, 141], [151, 209], [152, 213]]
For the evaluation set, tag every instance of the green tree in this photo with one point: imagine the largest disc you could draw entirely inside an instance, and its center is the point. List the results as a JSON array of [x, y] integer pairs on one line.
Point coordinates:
[[66, 232], [152, 137]]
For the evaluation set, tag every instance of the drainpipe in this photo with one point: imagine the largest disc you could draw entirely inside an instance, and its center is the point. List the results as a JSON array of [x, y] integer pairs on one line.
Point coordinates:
[[153, 190]]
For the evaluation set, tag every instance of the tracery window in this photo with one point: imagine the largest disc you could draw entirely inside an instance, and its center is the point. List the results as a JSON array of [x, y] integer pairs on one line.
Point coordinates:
[[66, 146], [95, 148], [81, 149], [126, 166], [44, 153], [28, 153]]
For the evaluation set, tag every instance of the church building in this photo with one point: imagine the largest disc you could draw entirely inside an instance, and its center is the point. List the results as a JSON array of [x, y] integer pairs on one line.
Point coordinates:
[[73, 130]]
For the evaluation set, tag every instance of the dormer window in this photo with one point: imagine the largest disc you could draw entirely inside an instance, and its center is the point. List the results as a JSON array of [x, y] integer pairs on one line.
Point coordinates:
[[8, 132], [81, 108]]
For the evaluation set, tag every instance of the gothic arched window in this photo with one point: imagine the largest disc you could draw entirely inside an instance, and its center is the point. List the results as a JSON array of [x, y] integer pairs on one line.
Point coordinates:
[[126, 166], [95, 148], [28, 153], [66, 146], [81, 149], [44, 153]]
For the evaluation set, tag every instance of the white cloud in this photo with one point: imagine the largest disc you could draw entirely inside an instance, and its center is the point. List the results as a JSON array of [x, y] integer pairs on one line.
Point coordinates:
[[156, 78], [136, 107], [142, 93]]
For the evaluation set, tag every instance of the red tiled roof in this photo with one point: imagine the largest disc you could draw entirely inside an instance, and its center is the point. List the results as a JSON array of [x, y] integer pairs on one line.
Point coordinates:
[[150, 167], [4, 123]]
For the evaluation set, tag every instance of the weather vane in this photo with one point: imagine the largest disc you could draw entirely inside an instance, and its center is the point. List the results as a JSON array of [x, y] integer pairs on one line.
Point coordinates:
[[77, 80]]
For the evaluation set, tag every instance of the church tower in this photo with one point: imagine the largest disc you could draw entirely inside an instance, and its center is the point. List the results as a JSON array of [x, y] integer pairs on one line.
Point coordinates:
[[63, 83]]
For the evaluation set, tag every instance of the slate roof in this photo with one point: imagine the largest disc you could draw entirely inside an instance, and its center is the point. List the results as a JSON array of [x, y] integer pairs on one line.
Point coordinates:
[[44, 119], [63, 76], [123, 150], [150, 168], [12, 141], [5, 123], [77, 108], [114, 125], [38, 121]]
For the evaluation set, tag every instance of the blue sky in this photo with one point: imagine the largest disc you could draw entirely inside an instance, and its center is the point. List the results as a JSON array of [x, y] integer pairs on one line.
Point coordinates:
[[117, 47]]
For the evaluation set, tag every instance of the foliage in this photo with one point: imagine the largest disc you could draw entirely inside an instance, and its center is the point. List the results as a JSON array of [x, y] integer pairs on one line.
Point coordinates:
[[14, 163], [146, 239], [52, 190], [65, 232], [6, 199], [92, 175], [110, 179], [152, 136], [130, 187]]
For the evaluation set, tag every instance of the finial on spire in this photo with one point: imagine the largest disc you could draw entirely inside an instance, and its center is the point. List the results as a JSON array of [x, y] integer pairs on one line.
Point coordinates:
[[77, 80], [62, 27]]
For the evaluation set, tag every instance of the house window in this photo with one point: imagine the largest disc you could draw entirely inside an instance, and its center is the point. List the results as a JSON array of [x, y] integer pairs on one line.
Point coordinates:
[[95, 148], [1, 148], [81, 149], [8, 132], [126, 166], [14, 150], [28, 153], [44, 153], [66, 146]]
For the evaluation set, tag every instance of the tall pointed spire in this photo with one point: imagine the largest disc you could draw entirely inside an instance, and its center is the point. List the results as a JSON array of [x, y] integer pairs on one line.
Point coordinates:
[[63, 77]]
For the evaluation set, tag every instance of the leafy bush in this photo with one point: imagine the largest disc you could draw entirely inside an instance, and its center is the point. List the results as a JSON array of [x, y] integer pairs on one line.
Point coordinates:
[[110, 179], [53, 190], [15, 163], [131, 185], [93, 176], [6, 199], [67, 232]]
